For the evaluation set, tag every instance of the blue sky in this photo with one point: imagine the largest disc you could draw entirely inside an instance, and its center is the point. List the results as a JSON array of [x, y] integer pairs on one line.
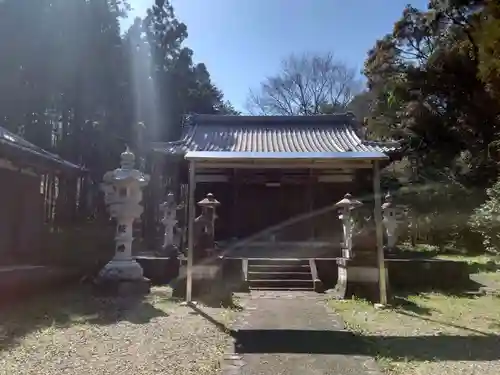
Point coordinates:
[[243, 41]]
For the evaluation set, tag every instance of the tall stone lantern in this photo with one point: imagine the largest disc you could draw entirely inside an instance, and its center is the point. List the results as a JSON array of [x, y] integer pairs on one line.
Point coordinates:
[[345, 206], [123, 195], [391, 218], [169, 221]]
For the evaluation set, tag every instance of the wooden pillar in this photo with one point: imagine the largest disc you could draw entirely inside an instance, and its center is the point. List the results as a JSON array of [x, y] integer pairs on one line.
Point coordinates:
[[310, 203], [379, 233], [191, 217], [234, 208]]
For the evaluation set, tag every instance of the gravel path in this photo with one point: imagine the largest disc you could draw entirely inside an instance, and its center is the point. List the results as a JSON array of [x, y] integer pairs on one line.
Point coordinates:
[[285, 333], [76, 333]]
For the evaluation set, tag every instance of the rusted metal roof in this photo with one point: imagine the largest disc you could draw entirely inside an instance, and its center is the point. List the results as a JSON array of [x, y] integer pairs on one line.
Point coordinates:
[[284, 134], [15, 143]]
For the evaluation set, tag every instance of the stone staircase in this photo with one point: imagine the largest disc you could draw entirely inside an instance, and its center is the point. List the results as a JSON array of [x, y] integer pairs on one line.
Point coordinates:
[[280, 274]]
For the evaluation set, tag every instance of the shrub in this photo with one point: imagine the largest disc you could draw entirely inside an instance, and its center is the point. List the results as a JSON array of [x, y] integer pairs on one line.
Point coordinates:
[[486, 219]]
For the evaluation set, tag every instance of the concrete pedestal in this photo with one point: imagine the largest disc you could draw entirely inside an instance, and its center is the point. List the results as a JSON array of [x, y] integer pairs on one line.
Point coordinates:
[[160, 270], [123, 269], [208, 283], [120, 278], [122, 288], [358, 277]]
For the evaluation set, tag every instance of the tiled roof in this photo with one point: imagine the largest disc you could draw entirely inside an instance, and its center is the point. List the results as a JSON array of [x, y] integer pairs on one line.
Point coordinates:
[[14, 141], [322, 133]]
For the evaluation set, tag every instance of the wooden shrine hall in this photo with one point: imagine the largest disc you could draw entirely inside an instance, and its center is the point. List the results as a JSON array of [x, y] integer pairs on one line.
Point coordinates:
[[267, 169]]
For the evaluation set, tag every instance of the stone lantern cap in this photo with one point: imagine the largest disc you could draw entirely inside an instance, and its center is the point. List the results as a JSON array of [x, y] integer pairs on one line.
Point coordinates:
[[126, 173], [388, 202], [209, 201], [348, 202], [170, 198], [127, 158]]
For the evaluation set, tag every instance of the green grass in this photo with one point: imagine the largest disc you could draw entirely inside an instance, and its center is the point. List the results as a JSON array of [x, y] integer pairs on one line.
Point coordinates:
[[432, 333]]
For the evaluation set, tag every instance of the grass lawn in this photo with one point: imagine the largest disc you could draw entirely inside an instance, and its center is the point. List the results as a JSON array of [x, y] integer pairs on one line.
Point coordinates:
[[76, 333], [433, 333]]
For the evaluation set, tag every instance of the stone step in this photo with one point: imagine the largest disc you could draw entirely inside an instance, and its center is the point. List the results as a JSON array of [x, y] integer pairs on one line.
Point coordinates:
[[281, 283], [253, 275], [265, 288], [279, 261], [278, 268]]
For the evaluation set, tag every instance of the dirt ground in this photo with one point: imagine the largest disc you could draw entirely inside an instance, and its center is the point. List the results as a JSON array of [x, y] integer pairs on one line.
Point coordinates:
[[76, 333]]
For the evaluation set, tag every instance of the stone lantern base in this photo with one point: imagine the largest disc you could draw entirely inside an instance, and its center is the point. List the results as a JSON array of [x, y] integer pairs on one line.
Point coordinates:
[[170, 250], [209, 286], [122, 278], [358, 277]]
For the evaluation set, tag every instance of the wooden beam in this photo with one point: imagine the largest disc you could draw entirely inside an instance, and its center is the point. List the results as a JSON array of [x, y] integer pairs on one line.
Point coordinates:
[[7, 164], [336, 178], [330, 165], [211, 178], [211, 171]]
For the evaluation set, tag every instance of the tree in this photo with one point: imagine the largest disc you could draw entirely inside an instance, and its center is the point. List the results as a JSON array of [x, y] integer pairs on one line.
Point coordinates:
[[179, 85], [80, 89], [306, 85], [425, 80], [361, 105], [488, 39], [434, 84]]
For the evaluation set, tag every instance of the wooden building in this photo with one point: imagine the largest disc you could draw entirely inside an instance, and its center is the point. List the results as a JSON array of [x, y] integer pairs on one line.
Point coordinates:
[[30, 188], [266, 170]]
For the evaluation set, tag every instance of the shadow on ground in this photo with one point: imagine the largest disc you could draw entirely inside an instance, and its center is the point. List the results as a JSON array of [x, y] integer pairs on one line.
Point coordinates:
[[476, 267], [401, 303], [480, 347], [469, 289], [74, 306], [421, 348], [220, 326]]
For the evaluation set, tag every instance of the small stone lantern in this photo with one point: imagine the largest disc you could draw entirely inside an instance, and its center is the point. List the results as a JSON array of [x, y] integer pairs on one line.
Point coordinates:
[[391, 219], [208, 206], [123, 194], [169, 220], [345, 206]]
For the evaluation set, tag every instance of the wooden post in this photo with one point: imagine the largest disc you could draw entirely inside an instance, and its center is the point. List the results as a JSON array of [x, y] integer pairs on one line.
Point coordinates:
[[234, 209], [310, 204], [379, 232], [191, 217]]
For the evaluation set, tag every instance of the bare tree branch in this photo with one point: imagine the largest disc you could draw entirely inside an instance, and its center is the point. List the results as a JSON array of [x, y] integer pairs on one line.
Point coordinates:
[[306, 85]]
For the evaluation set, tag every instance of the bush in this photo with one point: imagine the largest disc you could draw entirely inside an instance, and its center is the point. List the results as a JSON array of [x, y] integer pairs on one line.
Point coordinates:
[[486, 219], [441, 212]]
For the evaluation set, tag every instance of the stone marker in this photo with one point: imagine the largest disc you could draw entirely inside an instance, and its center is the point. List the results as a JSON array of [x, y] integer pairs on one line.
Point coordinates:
[[169, 221]]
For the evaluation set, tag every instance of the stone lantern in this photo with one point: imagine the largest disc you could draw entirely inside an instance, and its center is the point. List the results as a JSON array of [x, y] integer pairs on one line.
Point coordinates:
[[123, 195], [208, 206], [199, 280], [345, 206], [169, 220], [391, 219]]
